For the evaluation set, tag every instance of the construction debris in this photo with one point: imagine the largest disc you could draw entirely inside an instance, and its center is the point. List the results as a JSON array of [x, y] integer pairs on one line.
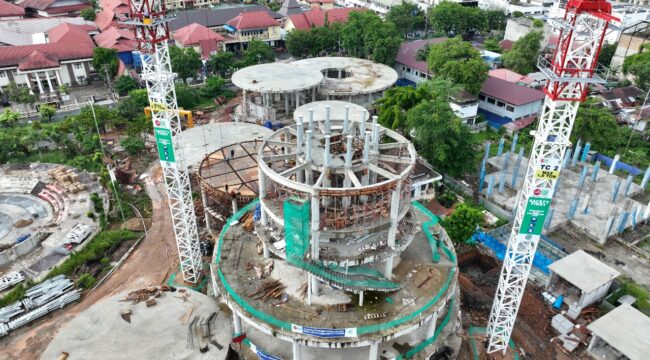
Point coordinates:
[[126, 315], [268, 290], [67, 178], [375, 316], [143, 295]]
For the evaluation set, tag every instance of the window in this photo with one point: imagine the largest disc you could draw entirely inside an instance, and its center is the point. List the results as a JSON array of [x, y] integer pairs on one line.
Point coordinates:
[[3, 74], [510, 108], [77, 66], [81, 79], [501, 104], [491, 100], [481, 97]]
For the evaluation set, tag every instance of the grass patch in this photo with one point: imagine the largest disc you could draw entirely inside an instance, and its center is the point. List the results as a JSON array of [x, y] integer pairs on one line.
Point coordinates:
[[629, 287]]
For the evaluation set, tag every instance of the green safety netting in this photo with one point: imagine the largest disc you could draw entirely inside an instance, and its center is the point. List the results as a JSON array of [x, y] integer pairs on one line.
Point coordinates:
[[426, 226], [321, 270], [296, 229]]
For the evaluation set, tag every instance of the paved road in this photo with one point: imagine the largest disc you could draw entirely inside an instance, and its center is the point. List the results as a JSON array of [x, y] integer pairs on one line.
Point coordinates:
[[150, 264]]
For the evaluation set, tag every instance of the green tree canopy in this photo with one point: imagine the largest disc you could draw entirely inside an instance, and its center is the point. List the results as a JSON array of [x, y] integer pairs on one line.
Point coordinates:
[[462, 223], [638, 65], [300, 43], [523, 56], [492, 45], [457, 61], [406, 17], [258, 52], [367, 36], [88, 14], [221, 63], [46, 112], [20, 94], [607, 53], [186, 96], [124, 84], [315, 41], [106, 62], [186, 62], [450, 17], [9, 118], [442, 138], [213, 87], [598, 126]]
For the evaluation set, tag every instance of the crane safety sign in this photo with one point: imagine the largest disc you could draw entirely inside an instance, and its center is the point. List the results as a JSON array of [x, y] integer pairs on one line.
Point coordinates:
[[548, 169], [165, 146], [535, 215]]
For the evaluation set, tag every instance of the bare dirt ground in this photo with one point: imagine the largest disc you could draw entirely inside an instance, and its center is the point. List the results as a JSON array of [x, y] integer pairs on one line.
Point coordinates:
[[478, 277], [150, 264]]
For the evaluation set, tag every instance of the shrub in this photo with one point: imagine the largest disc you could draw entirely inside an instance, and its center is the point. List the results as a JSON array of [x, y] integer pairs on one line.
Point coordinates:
[[86, 281], [447, 199]]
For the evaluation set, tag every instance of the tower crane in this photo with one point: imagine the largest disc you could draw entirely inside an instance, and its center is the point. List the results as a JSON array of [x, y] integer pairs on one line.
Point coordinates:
[[569, 71], [149, 22]]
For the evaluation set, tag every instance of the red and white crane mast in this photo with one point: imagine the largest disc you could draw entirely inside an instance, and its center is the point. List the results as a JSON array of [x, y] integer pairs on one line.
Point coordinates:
[[570, 71]]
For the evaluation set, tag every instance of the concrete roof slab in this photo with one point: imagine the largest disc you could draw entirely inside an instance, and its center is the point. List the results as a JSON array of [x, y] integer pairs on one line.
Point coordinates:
[[277, 78], [583, 271], [625, 329], [337, 111]]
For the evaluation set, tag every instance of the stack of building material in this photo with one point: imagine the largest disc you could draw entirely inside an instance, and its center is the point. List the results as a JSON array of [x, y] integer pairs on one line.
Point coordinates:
[[67, 178], [10, 279]]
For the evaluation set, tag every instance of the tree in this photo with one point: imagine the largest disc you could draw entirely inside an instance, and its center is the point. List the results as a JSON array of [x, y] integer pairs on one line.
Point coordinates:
[[133, 145], [523, 56], [517, 14], [258, 52], [442, 138], [88, 14], [598, 126], [84, 122], [638, 65], [213, 87], [495, 20], [106, 63], [456, 60], [133, 104], [367, 36], [186, 62], [607, 53], [124, 84], [300, 43], [186, 96], [21, 95], [453, 18], [9, 118], [406, 17], [221, 63], [492, 45], [46, 112], [462, 223]]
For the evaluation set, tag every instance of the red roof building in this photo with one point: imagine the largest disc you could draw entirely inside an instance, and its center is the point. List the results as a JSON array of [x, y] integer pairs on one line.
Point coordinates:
[[406, 62], [511, 76], [204, 40], [49, 8], [119, 39], [317, 17], [252, 20], [9, 11], [502, 102]]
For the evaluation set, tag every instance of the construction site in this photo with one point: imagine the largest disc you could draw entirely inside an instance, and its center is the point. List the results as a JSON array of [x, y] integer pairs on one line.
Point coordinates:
[[304, 229]]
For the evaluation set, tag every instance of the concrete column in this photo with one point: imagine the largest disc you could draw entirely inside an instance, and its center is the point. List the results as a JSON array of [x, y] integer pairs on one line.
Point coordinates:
[[309, 175], [375, 133], [262, 194], [585, 152], [297, 354], [58, 77], [328, 121], [501, 143], [346, 120], [374, 350], [297, 99], [431, 328], [286, 103], [267, 251], [311, 120], [388, 268], [361, 298], [49, 81], [204, 199], [362, 125], [392, 230], [315, 235], [646, 212], [592, 343], [233, 203], [29, 84], [236, 321], [594, 174], [313, 94], [628, 184], [513, 146], [327, 155], [366, 147], [646, 177], [38, 82], [613, 166], [244, 106]]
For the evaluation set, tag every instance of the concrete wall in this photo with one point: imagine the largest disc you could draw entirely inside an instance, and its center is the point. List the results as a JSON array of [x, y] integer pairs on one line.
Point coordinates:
[[409, 73], [466, 110], [8, 256], [518, 28], [587, 299], [518, 111], [628, 44]]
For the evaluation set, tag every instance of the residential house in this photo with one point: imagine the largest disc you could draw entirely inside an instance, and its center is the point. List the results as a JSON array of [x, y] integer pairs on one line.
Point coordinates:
[[423, 179], [407, 65], [620, 334], [465, 105], [122, 40], [9, 11], [493, 59], [113, 13], [52, 8], [185, 4], [66, 59], [316, 18], [511, 76], [200, 38], [320, 4], [290, 7], [34, 31], [215, 19], [502, 102], [618, 99], [532, 8], [247, 26], [381, 7]]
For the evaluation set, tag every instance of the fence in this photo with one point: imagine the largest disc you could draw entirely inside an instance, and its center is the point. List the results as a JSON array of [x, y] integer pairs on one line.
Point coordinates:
[[607, 161]]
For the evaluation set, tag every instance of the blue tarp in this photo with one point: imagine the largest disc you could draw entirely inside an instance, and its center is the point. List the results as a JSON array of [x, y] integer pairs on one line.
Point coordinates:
[[607, 162], [405, 82], [229, 28], [127, 57], [540, 261], [493, 119]]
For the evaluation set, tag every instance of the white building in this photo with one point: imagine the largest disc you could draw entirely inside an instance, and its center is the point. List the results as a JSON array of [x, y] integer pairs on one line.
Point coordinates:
[[423, 179], [465, 105], [520, 27], [381, 7], [620, 334], [581, 279], [501, 101], [532, 8]]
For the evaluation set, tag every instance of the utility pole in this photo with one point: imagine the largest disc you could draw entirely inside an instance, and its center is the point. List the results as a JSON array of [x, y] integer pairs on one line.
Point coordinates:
[[569, 73], [149, 21]]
